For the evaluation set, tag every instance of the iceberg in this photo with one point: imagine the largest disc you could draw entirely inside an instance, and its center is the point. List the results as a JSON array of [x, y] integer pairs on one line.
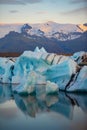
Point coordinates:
[[27, 62], [80, 57], [61, 73], [30, 85], [80, 83], [51, 87], [6, 70], [40, 68]]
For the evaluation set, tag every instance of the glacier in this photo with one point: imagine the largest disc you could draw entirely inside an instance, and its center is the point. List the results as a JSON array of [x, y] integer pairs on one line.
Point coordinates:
[[34, 70]]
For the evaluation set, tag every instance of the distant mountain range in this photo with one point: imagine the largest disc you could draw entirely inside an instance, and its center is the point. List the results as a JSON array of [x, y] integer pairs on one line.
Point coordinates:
[[54, 37]]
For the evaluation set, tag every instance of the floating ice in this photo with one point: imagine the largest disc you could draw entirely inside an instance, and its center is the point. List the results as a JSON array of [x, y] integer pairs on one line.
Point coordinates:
[[80, 57], [31, 83], [51, 87], [38, 67], [61, 73], [6, 70], [80, 83]]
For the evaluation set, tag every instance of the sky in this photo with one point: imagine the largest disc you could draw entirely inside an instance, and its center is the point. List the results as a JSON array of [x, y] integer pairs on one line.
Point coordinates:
[[40, 11]]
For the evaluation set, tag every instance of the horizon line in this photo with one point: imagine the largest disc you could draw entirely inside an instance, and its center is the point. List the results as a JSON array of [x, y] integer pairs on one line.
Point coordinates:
[[19, 23]]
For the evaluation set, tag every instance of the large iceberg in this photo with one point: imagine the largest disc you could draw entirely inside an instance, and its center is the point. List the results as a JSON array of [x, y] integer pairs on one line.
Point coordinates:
[[38, 67]]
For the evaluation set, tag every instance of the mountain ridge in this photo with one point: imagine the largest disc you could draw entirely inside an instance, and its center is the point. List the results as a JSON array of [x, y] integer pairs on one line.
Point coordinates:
[[17, 42], [49, 35], [49, 29]]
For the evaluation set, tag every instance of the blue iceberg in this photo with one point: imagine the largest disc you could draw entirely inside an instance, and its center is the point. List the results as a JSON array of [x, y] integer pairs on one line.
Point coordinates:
[[80, 57], [6, 70], [38, 67], [61, 73], [80, 83]]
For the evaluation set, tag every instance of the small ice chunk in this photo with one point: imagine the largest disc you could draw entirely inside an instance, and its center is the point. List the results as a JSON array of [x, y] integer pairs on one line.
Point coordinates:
[[78, 56], [51, 87]]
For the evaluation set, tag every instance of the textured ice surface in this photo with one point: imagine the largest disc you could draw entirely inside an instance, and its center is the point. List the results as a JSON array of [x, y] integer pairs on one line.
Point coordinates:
[[80, 83], [61, 73], [6, 70], [40, 68], [79, 57]]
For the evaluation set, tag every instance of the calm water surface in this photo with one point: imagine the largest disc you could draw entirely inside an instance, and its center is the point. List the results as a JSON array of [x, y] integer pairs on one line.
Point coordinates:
[[62, 111]]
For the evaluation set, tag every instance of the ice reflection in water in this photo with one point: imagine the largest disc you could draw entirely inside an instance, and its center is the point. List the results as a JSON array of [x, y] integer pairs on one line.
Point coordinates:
[[63, 105]]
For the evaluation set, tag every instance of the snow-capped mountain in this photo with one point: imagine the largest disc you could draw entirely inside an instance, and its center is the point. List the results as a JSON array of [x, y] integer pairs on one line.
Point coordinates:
[[83, 27], [61, 32]]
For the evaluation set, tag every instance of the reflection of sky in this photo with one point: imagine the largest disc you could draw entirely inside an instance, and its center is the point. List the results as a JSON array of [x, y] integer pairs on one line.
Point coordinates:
[[49, 111], [34, 11]]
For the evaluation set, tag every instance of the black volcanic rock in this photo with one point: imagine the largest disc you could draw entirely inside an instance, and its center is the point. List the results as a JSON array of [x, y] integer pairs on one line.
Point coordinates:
[[25, 28], [85, 24], [41, 32]]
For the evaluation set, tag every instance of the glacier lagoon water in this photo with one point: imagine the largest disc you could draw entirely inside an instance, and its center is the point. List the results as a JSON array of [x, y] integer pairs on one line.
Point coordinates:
[[62, 111]]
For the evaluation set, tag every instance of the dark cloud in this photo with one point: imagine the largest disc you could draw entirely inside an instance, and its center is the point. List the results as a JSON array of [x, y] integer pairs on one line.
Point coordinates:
[[19, 2], [13, 11], [76, 11], [78, 1]]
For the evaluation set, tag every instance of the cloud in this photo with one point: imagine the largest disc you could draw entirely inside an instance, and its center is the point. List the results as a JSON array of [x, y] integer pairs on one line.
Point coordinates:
[[42, 12], [76, 11], [13, 11], [19, 2], [78, 1]]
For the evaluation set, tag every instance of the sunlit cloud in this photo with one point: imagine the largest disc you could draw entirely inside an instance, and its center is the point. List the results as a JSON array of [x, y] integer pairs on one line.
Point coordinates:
[[13, 11], [19, 2]]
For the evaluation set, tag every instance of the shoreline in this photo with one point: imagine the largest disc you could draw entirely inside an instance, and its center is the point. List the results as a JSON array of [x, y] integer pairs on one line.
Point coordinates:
[[16, 54]]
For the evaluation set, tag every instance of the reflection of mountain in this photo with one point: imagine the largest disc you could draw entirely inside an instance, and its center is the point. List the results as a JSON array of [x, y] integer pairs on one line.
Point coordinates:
[[31, 105]]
